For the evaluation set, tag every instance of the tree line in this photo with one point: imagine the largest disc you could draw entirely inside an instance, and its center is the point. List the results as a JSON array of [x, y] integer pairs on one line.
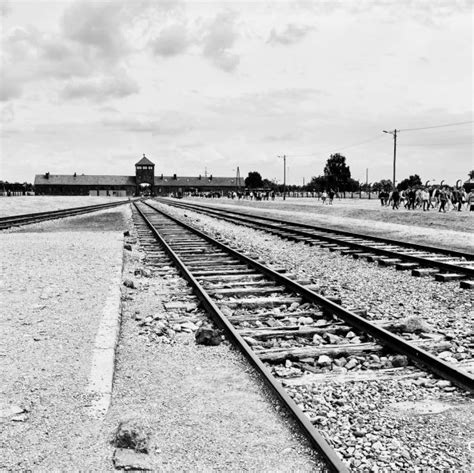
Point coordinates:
[[337, 177]]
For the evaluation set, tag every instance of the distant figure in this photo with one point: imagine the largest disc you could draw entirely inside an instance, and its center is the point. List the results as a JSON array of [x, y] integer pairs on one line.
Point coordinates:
[[470, 201], [395, 199], [324, 196], [425, 199], [411, 199], [331, 194], [382, 198], [443, 199]]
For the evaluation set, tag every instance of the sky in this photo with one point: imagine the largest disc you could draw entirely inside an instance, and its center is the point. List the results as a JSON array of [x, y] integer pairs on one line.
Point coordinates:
[[91, 86]]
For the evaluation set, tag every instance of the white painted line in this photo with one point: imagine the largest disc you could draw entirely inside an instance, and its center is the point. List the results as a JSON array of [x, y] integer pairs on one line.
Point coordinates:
[[103, 355]]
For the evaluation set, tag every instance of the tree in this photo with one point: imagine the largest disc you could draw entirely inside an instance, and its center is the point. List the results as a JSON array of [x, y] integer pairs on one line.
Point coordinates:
[[267, 184], [253, 180], [318, 184], [411, 181], [338, 174], [383, 185]]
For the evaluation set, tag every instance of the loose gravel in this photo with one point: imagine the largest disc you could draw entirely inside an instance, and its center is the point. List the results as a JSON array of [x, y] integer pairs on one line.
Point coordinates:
[[452, 230], [389, 436], [204, 407], [386, 294]]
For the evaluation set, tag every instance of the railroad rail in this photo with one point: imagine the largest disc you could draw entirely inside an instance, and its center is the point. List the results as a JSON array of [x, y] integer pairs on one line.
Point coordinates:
[[227, 282], [26, 219], [444, 264]]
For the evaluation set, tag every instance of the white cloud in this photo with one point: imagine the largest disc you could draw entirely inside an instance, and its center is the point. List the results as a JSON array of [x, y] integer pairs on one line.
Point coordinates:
[[7, 113], [171, 41], [219, 39], [98, 26], [91, 42], [10, 88], [5, 7], [99, 89], [290, 35]]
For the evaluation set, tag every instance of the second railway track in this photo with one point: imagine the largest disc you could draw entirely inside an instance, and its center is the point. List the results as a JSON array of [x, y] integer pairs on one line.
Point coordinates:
[[281, 325], [28, 219], [421, 260]]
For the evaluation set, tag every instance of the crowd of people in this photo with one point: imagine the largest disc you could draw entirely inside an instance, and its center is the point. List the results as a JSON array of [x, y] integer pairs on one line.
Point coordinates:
[[442, 198]]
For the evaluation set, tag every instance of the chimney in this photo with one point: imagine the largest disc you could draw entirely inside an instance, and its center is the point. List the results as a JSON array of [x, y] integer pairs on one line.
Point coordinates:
[[175, 177], [75, 174], [161, 177], [199, 176], [46, 175], [210, 177]]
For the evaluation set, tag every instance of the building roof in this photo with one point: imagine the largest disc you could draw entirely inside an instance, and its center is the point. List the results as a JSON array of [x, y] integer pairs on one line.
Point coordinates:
[[84, 180], [105, 180], [194, 181], [144, 161]]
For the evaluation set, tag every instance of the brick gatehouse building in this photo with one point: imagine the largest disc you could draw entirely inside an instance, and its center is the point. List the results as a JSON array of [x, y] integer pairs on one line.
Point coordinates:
[[143, 182]]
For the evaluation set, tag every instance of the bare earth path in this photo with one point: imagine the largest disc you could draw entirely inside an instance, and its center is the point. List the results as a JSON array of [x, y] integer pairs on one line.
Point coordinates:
[[54, 285]]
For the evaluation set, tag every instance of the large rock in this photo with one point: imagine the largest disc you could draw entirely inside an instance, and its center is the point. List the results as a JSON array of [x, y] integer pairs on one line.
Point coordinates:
[[415, 325], [399, 361], [129, 283], [226, 310], [125, 459], [206, 335], [324, 360], [133, 435]]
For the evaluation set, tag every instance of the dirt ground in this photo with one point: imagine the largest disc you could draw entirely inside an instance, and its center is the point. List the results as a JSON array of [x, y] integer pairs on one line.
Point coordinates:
[[452, 229]]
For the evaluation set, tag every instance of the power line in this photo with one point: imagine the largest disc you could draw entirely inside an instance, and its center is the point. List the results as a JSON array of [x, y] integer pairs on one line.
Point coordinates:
[[334, 149], [436, 126], [438, 144]]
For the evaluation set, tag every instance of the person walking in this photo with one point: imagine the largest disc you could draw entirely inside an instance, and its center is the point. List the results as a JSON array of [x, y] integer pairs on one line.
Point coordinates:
[[411, 199], [331, 196], [425, 199], [395, 199], [443, 199]]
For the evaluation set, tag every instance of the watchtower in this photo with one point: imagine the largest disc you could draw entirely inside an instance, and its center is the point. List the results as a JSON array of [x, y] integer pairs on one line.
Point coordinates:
[[145, 176]]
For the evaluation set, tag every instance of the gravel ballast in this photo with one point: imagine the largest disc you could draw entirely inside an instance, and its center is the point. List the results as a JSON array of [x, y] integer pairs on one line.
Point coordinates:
[[437, 439], [385, 293], [204, 407], [452, 230]]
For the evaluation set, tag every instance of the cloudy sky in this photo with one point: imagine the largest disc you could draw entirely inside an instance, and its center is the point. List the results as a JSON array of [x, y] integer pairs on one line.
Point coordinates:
[[89, 86]]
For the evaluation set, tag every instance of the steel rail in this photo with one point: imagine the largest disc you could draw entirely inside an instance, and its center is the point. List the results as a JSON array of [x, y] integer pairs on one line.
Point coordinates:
[[419, 356], [422, 261], [388, 241], [316, 439], [25, 219]]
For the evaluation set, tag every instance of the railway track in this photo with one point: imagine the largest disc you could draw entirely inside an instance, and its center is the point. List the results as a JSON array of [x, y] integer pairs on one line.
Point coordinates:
[[27, 219], [421, 260], [281, 324]]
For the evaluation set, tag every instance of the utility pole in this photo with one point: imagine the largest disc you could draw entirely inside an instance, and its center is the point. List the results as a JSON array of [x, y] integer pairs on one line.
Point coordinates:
[[394, 133], [284, 175]]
